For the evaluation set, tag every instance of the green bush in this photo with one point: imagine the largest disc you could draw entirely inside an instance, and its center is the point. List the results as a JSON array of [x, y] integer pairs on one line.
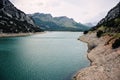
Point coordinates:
[[116, 44], [99, 33], [85, 32], [117, 21]]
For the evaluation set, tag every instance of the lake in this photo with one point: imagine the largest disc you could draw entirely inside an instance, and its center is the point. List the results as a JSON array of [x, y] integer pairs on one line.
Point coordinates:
[[47, 56]]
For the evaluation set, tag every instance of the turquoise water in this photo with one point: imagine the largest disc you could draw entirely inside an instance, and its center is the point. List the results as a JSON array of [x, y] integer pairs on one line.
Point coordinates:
[[48, 56]]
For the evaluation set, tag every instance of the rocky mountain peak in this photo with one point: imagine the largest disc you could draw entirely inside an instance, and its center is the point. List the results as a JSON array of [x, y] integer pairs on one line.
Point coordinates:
[[112, 14], [3, 3], [13, 20], [62, 23]]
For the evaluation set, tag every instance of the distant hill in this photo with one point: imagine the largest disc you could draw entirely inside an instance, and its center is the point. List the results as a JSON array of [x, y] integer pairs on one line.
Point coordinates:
[[90, 24], [63, 23], [12, 20]]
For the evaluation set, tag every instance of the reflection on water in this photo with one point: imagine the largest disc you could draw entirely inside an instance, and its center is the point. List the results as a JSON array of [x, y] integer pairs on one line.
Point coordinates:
[[49, 56]]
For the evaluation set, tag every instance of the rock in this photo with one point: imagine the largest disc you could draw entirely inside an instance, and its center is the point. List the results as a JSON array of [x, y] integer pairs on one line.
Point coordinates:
[[13, 20], [104, 51], [105, 61], [112, 14]]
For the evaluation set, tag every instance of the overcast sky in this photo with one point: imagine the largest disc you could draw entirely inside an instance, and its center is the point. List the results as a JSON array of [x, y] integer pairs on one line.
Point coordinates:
[[83, 11]]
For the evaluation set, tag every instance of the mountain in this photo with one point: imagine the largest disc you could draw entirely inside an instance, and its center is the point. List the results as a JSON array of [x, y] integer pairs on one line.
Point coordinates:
[[12, 20], [63, 23], [103, 49], [89, 24], [111, 23], [112, 14]]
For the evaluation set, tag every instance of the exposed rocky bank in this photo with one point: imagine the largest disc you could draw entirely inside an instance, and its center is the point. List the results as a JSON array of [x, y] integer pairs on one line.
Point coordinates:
[[105, 61], [104, 49]]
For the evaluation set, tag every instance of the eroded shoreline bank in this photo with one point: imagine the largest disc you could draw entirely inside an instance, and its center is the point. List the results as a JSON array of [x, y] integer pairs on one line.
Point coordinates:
[[104, 60], [2, 35]]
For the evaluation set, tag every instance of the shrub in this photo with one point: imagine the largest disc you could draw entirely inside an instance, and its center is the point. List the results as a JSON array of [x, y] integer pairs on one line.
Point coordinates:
[[99, 33], [117, 21], [116, 44], [85, 32]]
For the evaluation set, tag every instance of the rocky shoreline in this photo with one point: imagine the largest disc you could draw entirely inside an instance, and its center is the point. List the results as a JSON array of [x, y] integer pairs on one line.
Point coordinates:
[[17, 34], [105, 61]]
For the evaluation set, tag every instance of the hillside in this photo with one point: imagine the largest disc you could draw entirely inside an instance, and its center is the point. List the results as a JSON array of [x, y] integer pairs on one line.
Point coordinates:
[[12, 20], [90, 24], [63, 23], [111, 23], [103, 49]]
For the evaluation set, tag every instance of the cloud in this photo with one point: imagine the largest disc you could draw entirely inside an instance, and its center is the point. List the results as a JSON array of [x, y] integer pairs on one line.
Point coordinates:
[[81, 10]]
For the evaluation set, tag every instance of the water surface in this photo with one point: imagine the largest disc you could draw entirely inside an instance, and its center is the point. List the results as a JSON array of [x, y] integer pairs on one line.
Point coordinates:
[[48, 56]]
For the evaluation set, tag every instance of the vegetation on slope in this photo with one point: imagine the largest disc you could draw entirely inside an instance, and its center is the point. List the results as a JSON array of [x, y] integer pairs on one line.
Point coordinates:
[[63, 23], [110, 25]]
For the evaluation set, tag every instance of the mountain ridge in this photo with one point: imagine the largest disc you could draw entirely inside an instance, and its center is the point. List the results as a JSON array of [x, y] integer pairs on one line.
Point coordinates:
[[112, 14], [62, 23], [13, 20], [103, 49]]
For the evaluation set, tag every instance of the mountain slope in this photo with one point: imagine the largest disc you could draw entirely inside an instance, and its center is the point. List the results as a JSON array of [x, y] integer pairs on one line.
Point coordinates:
[[111, 23], [103, 49], [13, 20], [90, 24], [49, 23]]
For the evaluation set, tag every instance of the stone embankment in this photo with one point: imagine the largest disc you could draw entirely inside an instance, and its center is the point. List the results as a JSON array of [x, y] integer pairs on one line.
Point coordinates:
[[105, 61]]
